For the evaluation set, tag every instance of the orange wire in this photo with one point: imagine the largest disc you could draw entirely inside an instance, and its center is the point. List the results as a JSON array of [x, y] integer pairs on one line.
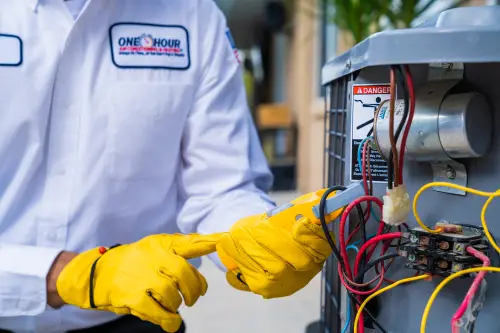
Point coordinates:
[[360, 285]]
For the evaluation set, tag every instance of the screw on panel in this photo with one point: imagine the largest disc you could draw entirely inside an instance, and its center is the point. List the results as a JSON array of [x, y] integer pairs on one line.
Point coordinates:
[[422, 260], [447, 65], [348, 64], [424, 240], [456, 267], [442, 264], [458, 248], [450, 173], [443, 245]]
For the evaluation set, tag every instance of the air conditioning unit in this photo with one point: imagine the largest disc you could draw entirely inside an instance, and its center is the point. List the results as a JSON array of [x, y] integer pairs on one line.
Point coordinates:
[[436, 87]]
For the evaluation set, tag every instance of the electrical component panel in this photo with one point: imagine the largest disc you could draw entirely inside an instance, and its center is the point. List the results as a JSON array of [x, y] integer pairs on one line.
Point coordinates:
[[454, 59], [443, 253]]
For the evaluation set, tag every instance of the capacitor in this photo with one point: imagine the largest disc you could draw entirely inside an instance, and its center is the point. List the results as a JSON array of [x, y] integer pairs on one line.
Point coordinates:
[[461, 128]]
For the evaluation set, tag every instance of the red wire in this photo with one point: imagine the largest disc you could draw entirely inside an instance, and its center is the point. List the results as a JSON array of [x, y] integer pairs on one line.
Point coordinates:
[[351, 235], [343, 220], [411, 91], [472, 290], [343, 250], [363, 168], [384, 249], [380, 230], [371, 242], [362, 293], [365, 180]]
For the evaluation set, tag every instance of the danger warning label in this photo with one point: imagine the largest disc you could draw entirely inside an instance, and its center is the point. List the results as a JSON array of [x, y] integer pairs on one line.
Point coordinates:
[[365, 100], [373, 90]]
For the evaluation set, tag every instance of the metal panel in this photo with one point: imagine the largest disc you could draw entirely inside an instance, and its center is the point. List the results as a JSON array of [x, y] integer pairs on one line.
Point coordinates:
[[335, 162], [402, 308], [467, 34]]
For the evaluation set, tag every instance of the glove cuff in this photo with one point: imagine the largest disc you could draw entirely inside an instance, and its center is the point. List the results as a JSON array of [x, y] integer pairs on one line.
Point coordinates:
[[102, 250], [76, 282]]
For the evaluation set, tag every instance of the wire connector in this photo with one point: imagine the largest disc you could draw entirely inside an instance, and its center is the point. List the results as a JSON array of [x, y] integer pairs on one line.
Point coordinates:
[[396, 205]]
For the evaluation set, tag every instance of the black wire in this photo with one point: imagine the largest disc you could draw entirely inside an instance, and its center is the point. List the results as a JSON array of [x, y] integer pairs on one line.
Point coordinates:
[[336, 253], [322, 219], [375, 262], [472, 327], [372, 317], [397, 245], [353, 313], [401, 81], [398, 242]]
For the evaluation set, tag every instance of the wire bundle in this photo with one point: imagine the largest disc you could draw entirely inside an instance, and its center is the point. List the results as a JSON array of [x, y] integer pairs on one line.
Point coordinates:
[[395, 161], [352, 276], [341, 254]]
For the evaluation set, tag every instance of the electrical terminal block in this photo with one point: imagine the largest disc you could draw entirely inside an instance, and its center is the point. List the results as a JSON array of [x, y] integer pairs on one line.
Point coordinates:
[[443, 253], [396, 205]]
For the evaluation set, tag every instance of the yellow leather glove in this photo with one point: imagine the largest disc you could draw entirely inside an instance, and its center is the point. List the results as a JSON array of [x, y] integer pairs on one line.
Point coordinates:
[[145, 279], [276, 256]]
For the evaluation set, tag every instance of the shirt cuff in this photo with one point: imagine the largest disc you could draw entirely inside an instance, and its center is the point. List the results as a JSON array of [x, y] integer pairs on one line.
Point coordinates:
[[23, 273]]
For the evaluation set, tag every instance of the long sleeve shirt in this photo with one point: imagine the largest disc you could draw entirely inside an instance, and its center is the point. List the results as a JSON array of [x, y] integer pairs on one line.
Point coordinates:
[[126, 120]]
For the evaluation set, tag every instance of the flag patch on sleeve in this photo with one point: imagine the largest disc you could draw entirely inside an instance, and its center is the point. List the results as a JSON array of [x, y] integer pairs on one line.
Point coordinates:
[[233, 45]]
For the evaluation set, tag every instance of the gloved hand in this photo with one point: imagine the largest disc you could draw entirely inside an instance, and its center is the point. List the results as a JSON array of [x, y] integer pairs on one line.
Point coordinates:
[[145, 279], [277, 256]]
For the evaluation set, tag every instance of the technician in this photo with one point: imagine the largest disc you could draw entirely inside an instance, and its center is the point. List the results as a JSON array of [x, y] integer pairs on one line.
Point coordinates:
[[125, 122]]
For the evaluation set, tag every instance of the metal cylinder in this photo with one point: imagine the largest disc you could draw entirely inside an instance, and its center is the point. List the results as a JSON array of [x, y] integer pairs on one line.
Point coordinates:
[[465, 125], [460, 126]]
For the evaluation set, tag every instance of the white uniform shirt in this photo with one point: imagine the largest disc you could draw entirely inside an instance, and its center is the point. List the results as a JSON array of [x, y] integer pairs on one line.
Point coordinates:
[[75, 6], [127, 121]]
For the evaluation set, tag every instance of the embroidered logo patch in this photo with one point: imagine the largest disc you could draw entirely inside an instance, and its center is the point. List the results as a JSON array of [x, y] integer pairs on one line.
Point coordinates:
[[143, 45], [11, 50]]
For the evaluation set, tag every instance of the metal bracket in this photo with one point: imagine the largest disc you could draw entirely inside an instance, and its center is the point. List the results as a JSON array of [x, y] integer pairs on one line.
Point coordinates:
[[452, 172], [446, 71]]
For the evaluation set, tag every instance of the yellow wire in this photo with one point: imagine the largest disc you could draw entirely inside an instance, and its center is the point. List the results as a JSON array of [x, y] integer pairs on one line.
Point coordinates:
[[375, 294], [483, 222], [444, 283], [490, 195]]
